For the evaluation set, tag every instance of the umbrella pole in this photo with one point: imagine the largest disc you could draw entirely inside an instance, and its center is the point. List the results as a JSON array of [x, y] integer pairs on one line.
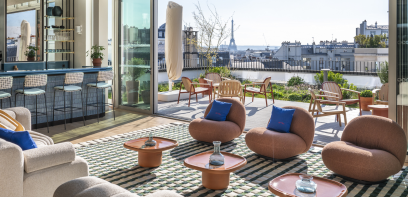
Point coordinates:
[[170, 85]]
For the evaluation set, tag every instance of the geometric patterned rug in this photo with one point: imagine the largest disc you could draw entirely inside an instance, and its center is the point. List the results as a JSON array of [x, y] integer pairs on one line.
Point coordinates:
[[109, 160]]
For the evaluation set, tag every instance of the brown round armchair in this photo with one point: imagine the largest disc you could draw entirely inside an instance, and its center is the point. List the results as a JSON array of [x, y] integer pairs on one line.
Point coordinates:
[[225, 131], [284, 145], [372, 148]]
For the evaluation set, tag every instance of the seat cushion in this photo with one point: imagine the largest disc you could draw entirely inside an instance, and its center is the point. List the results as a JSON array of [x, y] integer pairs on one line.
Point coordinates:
[[99, 85], [4, 95], [274, 144], [31, 91], [359, 163], [219, 111], [209, 130], [69, 88], [252, 89]]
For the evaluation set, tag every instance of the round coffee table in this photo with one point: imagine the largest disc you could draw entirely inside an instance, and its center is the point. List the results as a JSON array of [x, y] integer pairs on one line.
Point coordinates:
[[150, 156], [215, 177], [285, 185], [379, 110]]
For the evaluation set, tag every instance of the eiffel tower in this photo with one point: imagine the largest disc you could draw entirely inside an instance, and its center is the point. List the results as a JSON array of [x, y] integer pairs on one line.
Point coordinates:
[[232, 46]]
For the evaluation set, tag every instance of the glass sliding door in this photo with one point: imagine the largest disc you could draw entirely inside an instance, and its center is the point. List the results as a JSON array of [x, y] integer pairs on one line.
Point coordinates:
[[402, 64], [134, 54]]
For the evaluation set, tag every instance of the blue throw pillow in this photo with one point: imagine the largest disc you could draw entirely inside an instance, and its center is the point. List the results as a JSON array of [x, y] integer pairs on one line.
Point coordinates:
[[21, 138], [281, 120], [219, 111]]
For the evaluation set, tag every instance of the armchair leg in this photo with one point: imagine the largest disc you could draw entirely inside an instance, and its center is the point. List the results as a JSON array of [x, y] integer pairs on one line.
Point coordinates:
[[266, 100], [253, 95], [339, 119], [196, 97], [189, 98], [345, 118]]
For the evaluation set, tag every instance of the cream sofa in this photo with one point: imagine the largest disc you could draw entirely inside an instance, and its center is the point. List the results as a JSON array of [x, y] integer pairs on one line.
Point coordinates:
[[37, 172]]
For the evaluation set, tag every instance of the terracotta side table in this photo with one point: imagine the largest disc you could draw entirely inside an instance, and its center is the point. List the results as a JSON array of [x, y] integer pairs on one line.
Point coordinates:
[[379, 110], [150, 156], [285, 186], [215, 177]]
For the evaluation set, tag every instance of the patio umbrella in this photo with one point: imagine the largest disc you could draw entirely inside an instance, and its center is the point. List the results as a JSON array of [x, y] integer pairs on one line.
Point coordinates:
[[24, 40], [174, 43]]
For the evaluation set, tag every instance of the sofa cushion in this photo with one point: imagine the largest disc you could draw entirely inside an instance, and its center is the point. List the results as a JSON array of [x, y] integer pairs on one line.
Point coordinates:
[[237, 113], [219, 111], [360, 163], [21, 138], [48, 156], [281, 119], [274, 144], [8, 122], [209, 130]]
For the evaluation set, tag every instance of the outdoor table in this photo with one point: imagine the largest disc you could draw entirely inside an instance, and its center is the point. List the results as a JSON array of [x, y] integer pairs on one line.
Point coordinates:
[[379, 110], [215, 177], [285, 186], [150, 156]]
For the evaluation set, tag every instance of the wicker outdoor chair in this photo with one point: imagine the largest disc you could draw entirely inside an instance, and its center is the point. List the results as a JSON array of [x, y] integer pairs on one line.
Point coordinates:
[[231, 88], [263, 90], [382, 95], [331, 88], [191, 89]]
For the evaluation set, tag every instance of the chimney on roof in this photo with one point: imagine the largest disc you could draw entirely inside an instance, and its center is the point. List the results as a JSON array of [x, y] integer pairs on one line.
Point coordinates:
[[375, 24]]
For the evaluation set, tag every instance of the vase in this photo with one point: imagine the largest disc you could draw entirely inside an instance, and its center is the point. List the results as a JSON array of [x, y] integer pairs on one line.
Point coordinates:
[[217, 159], [306, 184], [57, 11], [365, 102], [97, 62], [150, 141], [49, 11]]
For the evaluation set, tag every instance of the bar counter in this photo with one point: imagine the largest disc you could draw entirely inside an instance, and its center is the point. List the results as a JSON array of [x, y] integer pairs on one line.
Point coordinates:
[[56, 78]]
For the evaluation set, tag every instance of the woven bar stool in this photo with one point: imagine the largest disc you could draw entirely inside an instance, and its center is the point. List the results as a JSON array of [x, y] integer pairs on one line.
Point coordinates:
[[31, 88], [100, 83], [69, 86], [5, 84]]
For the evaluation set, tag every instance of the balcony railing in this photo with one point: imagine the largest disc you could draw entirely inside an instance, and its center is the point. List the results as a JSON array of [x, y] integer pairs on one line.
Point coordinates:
[[344, 67]]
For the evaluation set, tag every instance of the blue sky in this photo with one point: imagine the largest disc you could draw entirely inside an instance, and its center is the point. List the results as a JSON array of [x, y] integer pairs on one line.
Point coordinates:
[[15, 19], [290, 20]]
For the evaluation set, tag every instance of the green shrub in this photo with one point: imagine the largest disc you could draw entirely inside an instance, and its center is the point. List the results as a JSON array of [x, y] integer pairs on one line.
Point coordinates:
[[246, 81], [383, 73], [196, 80], [278, 94], [202, 75], [366, 93], [331, 76], [223, 71], [348, 94], [295, 97], [295, 80]]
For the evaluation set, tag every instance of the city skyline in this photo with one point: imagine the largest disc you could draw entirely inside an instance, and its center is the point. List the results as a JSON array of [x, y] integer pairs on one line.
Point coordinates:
[[294, 20]]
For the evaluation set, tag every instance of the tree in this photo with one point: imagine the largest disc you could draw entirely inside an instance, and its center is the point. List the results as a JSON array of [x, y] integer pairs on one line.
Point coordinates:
[[383, 73], [212, 32], [377, 41]]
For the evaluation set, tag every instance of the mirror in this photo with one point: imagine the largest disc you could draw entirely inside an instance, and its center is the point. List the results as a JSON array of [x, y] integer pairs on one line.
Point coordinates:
[[24, 27]]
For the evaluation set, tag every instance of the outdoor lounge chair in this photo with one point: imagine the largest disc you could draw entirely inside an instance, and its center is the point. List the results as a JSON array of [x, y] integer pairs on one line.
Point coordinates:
[[208, 130], [263, 90], [214, 80], [284, 145], [382, 95], [231, 88], [331, 88], [191, 89], [317, 100], [372, 148]]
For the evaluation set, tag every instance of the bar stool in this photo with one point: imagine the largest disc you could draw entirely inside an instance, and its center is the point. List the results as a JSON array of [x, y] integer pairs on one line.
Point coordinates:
[[69, 86], [5, 84], [32, 82], [103, 76]]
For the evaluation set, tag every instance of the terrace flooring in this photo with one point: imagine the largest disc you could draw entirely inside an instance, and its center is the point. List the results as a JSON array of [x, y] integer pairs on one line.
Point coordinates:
[[258, 115]]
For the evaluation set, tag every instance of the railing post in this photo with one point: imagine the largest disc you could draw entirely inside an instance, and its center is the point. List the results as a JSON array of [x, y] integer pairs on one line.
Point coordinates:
[[325, 74]]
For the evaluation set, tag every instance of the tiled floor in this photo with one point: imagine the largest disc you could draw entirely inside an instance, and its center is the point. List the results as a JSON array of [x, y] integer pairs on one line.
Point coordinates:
[[258, 115]]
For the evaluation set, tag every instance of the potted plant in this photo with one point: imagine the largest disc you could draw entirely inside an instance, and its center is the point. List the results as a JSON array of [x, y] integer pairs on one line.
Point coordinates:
[[366, 99], [134, 72], [96, 55], [30, 53]]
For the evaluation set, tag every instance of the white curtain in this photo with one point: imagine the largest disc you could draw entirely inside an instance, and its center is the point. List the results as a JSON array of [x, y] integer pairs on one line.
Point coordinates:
[[174, 43], [24, 41]]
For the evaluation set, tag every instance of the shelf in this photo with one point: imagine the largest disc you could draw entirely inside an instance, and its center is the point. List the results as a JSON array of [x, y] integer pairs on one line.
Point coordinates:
[[60, 29], [57, 52], [59, 17], [59, 40]]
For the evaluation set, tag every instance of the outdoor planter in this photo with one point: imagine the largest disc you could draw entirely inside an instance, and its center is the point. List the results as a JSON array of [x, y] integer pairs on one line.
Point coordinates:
[[133, 97], [146, 96], [365, 102], [30, 59]]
